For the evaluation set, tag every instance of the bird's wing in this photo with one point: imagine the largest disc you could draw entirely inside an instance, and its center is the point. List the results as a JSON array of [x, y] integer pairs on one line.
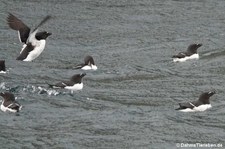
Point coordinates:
[[18, 25], [180, 55], [62, 84], [79, 66], [186, 105], [25, 52]]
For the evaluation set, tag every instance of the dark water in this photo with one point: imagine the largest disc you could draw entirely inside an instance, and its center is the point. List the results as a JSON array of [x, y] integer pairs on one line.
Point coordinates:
[[129, 101]]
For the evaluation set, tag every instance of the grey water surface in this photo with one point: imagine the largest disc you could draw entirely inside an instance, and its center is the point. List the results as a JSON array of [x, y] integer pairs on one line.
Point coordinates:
[[129, 101]]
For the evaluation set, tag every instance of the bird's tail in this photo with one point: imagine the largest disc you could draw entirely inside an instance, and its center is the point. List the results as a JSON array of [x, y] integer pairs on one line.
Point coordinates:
[[179, 108], [50, 85]]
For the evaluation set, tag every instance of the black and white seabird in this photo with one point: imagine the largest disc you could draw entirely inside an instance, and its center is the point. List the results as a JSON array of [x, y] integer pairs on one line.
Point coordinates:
[[191, 53], [75, 83], [9, 103], [88, 64], [201, 104], [34, 42], [2, 66]]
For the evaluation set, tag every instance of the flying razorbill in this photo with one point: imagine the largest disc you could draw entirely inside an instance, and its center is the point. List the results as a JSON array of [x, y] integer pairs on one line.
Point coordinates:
[[9, 103], [201, 104], [34, 42], [191, 53]]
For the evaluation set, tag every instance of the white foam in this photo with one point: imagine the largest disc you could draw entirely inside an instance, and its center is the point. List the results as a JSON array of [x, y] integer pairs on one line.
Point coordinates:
[[2, 85], [194, 56], [49, 92]]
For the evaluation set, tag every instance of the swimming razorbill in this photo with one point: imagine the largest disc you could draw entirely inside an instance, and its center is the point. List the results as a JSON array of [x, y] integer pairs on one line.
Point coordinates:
[[2, 66], [34, 42], [75, 83], [9, 103], [88, 64], [201, 104], [191, 53]]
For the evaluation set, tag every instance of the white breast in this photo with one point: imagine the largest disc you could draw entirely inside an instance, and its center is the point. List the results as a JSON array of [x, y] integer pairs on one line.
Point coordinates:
[[2, 71], [92, 67], [197, 109], [187, 110], [40, 45], [202, 107], [75, 87], [4, 109], [194, 56]]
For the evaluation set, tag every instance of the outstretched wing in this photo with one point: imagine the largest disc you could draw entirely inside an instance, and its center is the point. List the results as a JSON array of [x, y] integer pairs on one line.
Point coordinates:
[[42, 22], [16, 24]]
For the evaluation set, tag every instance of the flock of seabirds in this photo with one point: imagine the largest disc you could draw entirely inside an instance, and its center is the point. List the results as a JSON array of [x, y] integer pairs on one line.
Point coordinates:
[[34, 44]]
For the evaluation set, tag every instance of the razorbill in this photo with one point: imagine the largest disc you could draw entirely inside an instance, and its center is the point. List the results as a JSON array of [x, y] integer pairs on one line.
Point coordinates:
[[9, 103], [2, 66], [201, 104], [34, 42], [191, 53], [75, 83], [88, 64]]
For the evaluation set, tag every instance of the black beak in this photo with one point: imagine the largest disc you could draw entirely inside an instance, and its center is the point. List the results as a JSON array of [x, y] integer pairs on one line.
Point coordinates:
[[49, 34], [199, 45], [211, 93], [83, 74]]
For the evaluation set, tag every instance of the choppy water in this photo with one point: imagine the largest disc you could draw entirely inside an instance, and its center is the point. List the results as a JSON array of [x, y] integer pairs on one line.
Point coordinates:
[[129, 101]]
